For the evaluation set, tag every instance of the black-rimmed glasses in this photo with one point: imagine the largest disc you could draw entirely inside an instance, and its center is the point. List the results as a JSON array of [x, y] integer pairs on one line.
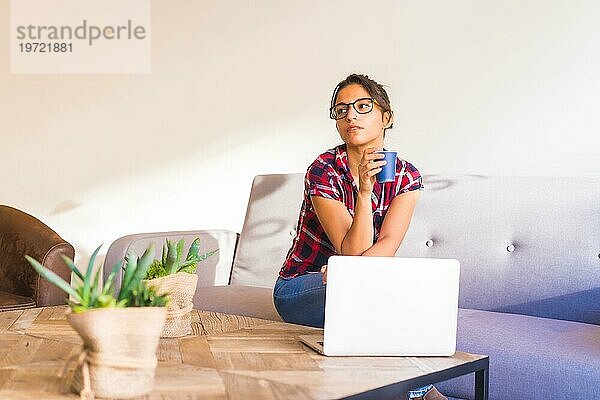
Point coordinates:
[[362, 106]]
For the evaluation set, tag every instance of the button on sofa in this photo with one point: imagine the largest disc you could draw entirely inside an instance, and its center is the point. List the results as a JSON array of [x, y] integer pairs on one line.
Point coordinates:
[[529, 249]]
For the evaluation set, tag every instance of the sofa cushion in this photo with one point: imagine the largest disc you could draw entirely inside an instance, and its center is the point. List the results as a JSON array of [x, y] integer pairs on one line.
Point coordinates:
[[530, 357], [11, 302], [582, 306], [269, 229], [520, 240], [250, 301]]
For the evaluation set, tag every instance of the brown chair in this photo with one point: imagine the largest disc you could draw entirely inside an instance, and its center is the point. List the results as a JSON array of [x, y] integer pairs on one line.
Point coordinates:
[[20, 286]]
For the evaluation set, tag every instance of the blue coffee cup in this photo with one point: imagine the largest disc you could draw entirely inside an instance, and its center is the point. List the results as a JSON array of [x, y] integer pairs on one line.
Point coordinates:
[[388, 171]]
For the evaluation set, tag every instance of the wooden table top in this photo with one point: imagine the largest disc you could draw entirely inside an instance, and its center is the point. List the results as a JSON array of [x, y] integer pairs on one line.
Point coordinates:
[[226, 357]]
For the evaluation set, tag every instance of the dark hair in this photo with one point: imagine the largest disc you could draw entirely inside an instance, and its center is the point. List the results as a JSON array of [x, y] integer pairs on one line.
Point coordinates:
[[374, 89]]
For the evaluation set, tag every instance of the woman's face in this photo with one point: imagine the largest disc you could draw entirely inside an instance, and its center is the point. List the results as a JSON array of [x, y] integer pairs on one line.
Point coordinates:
[[364, 130]]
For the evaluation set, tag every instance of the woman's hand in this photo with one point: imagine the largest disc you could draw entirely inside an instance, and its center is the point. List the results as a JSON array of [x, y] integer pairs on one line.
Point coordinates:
[[324, 272], [368, 167]]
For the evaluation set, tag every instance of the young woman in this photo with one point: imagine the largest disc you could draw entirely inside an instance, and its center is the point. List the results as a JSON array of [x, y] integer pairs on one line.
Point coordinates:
[[345, 210]]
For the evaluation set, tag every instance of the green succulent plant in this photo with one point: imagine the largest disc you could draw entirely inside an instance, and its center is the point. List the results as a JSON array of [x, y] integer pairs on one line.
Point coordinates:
[[172, 260], [88, 293]]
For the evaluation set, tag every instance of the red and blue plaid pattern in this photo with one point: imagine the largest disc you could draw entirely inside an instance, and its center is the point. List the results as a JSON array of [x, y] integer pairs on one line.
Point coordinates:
[[329, 177]]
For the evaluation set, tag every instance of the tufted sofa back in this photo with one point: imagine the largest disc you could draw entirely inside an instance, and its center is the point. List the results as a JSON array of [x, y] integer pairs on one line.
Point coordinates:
[[528, 245]]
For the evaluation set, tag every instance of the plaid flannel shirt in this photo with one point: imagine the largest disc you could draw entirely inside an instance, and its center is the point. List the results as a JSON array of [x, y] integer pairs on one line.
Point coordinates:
[[329, 177]]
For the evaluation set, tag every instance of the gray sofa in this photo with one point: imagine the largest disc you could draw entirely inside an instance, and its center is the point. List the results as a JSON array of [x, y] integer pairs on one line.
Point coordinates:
[[529, 249]]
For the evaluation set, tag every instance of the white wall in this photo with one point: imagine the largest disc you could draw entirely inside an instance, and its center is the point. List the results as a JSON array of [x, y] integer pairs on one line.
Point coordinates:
[[240, 88]]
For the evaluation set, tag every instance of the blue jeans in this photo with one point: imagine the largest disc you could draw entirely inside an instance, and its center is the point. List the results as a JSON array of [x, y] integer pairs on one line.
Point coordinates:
[[301, 300]]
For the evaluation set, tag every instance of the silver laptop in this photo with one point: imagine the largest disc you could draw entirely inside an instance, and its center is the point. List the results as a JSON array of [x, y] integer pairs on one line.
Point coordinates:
[[389, 306]]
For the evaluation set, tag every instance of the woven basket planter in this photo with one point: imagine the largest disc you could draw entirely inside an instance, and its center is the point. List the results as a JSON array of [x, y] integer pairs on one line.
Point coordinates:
[[119, 356], [181, 288]]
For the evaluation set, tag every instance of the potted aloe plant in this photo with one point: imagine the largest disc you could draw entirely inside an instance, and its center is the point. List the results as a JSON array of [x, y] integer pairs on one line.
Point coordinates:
[[120, 331], [176, 277]]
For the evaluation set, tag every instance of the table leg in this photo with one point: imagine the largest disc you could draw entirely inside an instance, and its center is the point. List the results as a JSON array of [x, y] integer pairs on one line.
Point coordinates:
[[482, 383]]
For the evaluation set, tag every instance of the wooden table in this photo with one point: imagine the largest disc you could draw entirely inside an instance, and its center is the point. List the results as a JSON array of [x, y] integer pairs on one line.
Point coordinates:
[[226, 357]]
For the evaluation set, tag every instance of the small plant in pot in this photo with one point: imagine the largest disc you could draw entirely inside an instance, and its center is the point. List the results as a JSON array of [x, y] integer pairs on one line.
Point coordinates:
[[175, 276], [120, 331]]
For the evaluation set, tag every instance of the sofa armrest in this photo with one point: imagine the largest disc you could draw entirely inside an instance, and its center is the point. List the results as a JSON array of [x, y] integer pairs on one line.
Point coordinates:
[[22, 234], [214, 271]]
